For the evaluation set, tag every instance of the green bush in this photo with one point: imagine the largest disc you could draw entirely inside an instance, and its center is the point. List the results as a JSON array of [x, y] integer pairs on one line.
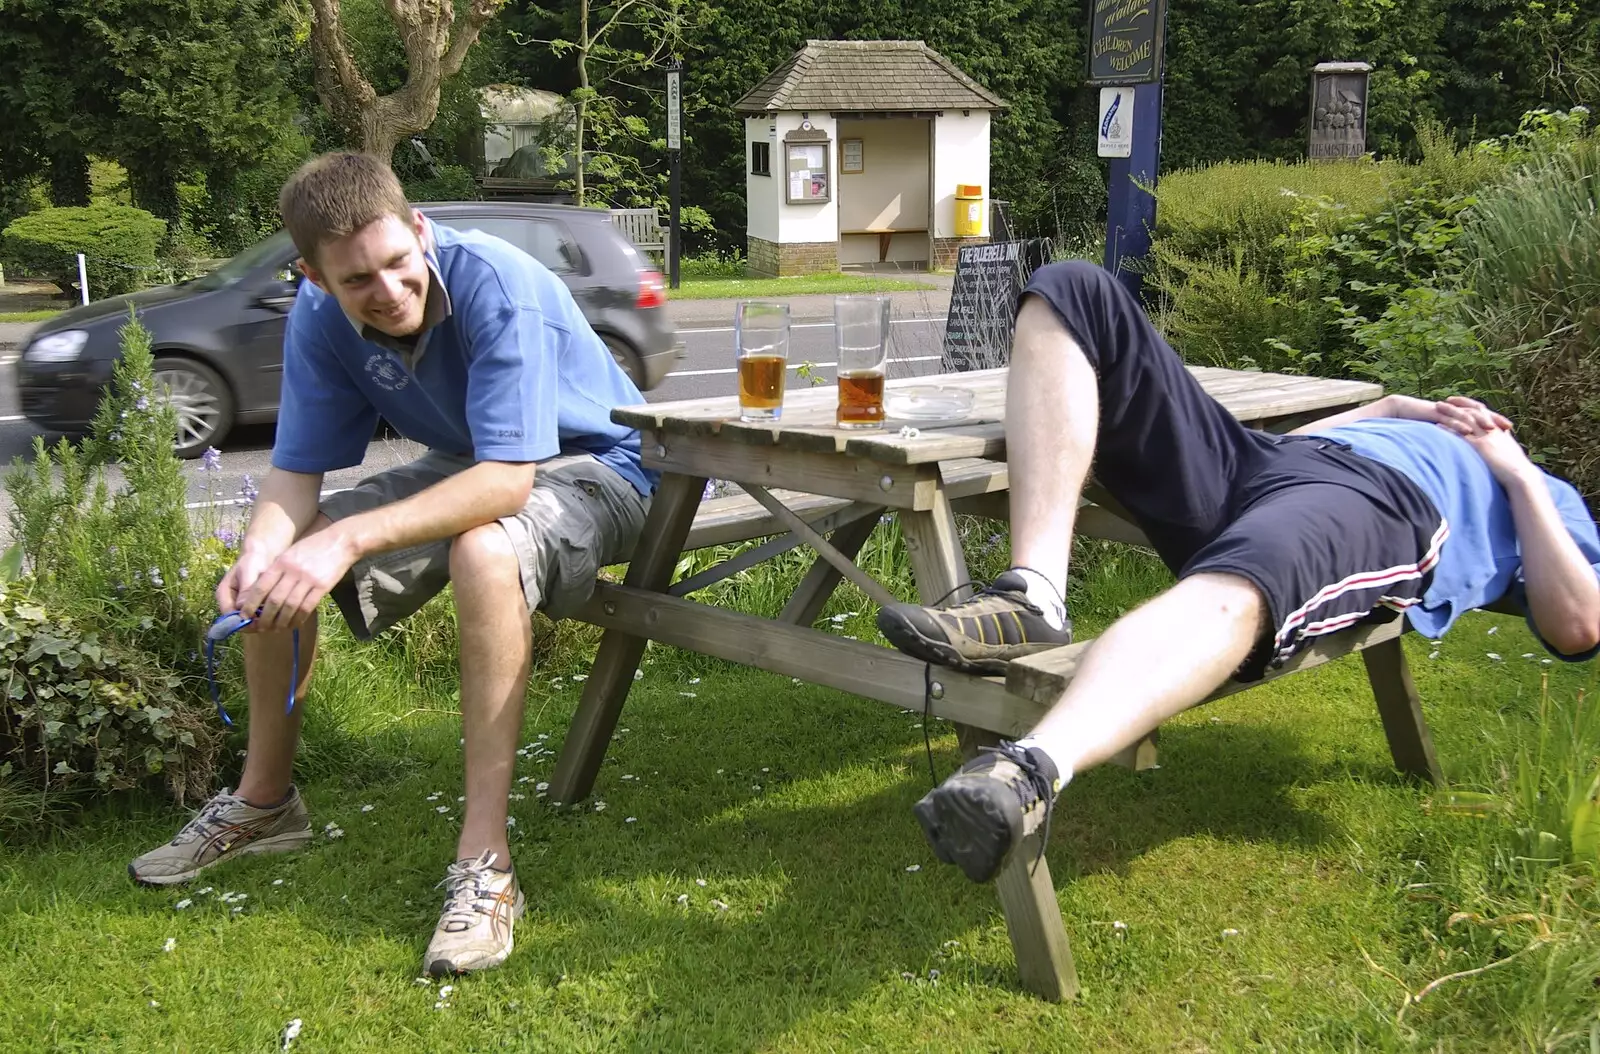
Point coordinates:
[[128, 702], [1535, 287], [453, 183], [118, 241], [1240, 209], [126, 562], [80, 714]]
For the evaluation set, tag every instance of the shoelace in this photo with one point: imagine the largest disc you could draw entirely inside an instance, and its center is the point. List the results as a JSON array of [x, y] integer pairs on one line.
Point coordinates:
[[1041, 787], [209, 814], [927, 668], [226, 626], [466, 888]]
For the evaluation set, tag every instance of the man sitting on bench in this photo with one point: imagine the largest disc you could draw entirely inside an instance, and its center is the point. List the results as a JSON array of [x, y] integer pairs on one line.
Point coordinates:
[[1430, 509]]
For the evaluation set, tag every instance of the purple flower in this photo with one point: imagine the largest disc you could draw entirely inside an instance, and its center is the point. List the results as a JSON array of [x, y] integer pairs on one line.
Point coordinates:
[[142, 403], [226, 536], [710, 491], [248, 491], [183, 572], [211, 460]]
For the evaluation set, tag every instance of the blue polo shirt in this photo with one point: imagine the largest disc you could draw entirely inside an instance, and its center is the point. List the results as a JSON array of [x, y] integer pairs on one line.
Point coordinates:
[[509, 370], [1481, 561]]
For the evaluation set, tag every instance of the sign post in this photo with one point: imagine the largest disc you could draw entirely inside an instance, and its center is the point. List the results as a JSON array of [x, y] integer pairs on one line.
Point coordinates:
[[1127, 42], [675, 155]]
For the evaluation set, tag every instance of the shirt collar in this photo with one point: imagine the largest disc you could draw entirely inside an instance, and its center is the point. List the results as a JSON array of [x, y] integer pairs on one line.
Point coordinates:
[[436, 308]]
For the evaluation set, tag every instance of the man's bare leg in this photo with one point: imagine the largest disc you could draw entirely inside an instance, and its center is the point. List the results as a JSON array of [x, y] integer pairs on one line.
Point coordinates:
[[274, 734], [1156, 661], [1051, 422], [496, 651]]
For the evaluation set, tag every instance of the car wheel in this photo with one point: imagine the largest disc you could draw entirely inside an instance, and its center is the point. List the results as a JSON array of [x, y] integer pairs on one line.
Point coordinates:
[[627, 358], [201, 399]]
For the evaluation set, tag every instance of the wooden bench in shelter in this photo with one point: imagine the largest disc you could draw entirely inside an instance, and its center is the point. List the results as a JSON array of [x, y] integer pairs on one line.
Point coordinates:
[[885, 236]]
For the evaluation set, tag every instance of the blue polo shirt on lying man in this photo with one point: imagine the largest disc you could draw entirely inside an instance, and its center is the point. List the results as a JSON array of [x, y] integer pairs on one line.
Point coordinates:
[[505, 369], [1481, 560]]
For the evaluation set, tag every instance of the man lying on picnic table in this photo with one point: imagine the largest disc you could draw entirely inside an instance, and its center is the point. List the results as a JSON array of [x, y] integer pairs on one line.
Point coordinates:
[[1426, 508], [463, 343]]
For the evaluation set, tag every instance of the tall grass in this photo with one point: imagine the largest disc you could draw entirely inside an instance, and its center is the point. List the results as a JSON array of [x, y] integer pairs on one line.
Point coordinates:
[[1536, 292]]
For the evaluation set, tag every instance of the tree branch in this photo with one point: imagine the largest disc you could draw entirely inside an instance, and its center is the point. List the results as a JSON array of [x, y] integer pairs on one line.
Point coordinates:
[[340, 85], [478, 16]]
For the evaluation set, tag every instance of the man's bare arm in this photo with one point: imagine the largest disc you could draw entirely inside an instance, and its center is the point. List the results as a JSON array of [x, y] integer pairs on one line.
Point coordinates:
[[1407, 408], [456, 504]]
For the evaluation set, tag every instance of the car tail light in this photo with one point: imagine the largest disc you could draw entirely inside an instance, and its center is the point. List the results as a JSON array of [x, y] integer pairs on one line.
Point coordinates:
[[652, 289]]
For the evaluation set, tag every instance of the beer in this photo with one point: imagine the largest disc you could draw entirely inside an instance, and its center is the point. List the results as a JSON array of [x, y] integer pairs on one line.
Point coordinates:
[[860, 399], [761, 381]]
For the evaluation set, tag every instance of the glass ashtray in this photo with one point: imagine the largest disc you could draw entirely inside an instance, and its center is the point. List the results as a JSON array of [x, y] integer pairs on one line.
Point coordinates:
[[927, 402]]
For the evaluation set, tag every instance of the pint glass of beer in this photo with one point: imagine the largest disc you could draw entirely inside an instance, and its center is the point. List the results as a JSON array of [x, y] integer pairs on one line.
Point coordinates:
[[761, 334], [861, 337]]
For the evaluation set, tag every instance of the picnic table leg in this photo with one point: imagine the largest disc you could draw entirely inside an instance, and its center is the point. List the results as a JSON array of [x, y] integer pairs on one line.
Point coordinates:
[[1398, 704], [1027, 896], [671, 515], [823, 578]]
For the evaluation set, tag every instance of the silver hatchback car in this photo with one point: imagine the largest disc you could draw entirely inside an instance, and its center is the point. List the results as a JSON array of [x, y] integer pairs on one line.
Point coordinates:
[[218, 339]]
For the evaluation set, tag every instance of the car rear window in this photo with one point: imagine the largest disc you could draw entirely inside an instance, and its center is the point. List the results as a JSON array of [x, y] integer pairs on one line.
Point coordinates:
[[544, 240]]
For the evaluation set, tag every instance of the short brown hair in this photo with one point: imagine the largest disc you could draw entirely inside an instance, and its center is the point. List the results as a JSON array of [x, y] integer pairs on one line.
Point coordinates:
[[337, 194]]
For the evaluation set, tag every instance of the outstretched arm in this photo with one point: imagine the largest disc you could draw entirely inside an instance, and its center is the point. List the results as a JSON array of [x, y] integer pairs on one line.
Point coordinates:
[[1563, 593]]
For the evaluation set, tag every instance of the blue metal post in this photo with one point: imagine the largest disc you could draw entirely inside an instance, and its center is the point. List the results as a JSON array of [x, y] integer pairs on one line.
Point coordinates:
[[1131, 212]]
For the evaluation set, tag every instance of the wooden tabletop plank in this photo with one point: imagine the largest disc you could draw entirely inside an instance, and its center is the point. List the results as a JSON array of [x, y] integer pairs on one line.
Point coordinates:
[[808, 414]]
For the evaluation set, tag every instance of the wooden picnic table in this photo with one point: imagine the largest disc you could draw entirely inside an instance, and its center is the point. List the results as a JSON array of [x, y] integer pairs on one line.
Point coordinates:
[[811, 483]]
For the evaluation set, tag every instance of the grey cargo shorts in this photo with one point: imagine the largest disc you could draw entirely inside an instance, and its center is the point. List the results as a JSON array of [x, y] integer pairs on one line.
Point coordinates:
[[581, 516]]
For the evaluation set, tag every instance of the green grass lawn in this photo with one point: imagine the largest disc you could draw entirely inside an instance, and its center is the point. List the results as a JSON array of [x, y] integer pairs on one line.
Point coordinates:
[[798, 285], [755, 881], [29, 316]]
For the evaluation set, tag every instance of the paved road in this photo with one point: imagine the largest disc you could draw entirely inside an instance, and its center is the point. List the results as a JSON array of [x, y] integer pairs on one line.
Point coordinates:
[[706, 369]]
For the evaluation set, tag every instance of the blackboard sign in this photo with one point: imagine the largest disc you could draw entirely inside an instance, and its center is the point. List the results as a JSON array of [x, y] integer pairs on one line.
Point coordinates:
[[1126, 39], [983, 302]]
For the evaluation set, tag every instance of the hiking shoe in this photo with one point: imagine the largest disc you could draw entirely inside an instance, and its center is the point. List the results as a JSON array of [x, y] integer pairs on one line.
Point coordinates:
[[988, 807], [225, 827], [481, 906], [980, 635]]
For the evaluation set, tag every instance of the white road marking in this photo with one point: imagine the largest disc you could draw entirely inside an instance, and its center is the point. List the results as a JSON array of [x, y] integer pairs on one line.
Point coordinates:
[[13, 417]]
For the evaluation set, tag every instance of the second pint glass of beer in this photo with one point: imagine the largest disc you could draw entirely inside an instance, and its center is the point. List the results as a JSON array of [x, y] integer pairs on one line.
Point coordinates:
[[861, 337], [761, 333]]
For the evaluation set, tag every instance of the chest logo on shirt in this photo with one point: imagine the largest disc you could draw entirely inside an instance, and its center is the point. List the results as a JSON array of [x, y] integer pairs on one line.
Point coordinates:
[[386, 373]]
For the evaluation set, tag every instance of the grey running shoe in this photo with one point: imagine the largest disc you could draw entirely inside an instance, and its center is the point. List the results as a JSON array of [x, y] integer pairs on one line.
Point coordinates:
[[979, 635], [225, 827], [481, 908], [988, 807]]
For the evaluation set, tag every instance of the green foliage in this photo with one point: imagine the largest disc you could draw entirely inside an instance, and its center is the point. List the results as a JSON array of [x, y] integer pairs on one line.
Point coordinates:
[[239, 206], [453, 183], [168, 88], [80, 714], [1535, 283], [119, 244], [1421, 345], [1555, 790], [124, 561]]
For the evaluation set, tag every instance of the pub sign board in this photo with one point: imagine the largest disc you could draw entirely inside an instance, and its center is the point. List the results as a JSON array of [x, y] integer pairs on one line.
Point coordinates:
[[1126, 41]]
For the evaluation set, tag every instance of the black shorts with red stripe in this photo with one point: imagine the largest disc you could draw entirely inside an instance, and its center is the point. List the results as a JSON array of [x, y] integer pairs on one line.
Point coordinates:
[[1329, 537]]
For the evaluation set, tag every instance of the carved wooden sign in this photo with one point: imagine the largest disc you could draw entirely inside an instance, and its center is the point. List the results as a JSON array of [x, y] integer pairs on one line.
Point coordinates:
[[1339, 110]]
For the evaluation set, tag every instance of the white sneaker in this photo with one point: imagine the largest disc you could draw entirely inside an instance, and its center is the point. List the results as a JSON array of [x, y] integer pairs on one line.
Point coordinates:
[[481, 907], [225, 827]]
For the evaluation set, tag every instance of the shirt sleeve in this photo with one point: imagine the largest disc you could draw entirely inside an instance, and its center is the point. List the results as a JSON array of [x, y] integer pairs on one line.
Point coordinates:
[[324, 420], [512, 379]]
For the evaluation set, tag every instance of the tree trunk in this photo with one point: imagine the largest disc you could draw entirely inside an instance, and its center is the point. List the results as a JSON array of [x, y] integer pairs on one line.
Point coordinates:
[[374, 123], [581, 109]]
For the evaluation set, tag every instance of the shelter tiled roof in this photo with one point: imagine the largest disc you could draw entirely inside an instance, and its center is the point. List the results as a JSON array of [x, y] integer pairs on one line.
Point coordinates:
[[862, 76]]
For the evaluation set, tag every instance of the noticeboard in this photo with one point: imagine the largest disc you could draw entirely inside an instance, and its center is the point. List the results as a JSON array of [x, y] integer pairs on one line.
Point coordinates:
[[1126, 41], [983, 301]]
